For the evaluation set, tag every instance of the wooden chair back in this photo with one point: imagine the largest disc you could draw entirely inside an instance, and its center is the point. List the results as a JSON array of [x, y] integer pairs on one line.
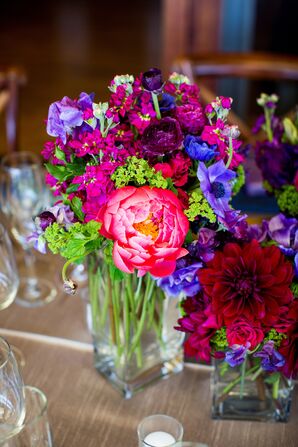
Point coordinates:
[[11, 79]]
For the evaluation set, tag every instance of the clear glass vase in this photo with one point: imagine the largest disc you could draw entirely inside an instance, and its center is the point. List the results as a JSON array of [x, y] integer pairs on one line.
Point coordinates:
[[133, 328], [246, 392]]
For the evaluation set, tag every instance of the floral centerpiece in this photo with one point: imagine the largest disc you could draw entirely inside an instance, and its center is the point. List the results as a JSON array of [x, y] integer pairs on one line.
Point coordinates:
[[143, 185], [277, 155]]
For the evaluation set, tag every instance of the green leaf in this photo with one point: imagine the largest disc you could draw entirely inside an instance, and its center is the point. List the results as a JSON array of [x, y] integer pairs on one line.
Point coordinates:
[[273, 378], [76, 206], [57, 171], [74, 247], [115, 273], [59, 153], [72, 188]]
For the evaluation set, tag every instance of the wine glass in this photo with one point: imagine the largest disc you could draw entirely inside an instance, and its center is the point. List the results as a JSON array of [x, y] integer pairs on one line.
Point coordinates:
[[9, 279], [23, 197], [12, 407]]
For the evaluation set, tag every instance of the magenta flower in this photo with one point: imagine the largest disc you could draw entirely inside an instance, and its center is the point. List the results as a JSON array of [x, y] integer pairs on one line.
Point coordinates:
[[152, 80], [191, 117]]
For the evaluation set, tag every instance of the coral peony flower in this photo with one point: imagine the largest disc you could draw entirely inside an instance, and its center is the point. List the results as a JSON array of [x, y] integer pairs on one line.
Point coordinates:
[[248, 281], [148, 227]]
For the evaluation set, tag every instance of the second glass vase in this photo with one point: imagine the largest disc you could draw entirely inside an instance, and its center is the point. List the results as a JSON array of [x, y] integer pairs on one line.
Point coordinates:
[[133, 328]]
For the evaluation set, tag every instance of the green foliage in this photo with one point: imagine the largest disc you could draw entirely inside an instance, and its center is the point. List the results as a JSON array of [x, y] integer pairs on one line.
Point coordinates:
[[219, 340], [137, 171], [294, 288], [287, 200], [275, 336], [268, 187], [68, 170], [76, 242], [239, 180], [76, 206], [273, 378], [199, 207], [291, 132]]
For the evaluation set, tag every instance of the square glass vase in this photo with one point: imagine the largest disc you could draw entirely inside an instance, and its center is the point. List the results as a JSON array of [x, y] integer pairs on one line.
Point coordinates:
[[249, 394], [133, 321]]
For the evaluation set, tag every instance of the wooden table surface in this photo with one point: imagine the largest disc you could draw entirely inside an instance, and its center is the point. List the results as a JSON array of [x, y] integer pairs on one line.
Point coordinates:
[[85, 411]]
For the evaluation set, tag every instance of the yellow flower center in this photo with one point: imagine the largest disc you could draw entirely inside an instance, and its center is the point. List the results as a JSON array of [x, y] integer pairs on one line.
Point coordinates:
[[147, 227]]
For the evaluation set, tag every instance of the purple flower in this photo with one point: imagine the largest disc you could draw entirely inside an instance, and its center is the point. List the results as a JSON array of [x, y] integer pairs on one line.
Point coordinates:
[[161, 137], [203, 248], [296, 264], [284, 231], [271, 360], [183, 280], [166, 103], [259, 232], [152, 80], [235, 222], [45, 219], [198, 149], [277, 161], [237, 355], [63, 116], [215, 183]]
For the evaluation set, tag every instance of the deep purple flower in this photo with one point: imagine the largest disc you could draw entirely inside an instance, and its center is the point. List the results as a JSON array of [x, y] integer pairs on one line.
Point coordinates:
[[296, 264], [215, 183], [203, 248], [161, 137], [235, 223], [63, 116], [278, 162], [183, 280], [191, 117], [198, 149], [166, 103], [152, 80], [271, 360], [45, 219], [236, 355]]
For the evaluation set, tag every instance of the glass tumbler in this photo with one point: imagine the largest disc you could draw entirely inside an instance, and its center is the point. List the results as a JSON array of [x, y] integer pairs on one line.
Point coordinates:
[[35, 430], [159, 430], [12, 407]]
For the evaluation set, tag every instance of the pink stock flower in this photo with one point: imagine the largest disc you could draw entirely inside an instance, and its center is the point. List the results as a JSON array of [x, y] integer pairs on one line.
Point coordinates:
[[191, 117], [148, 227]]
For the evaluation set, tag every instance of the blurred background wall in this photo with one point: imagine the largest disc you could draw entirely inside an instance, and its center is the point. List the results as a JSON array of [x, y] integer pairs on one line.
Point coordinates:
[[69, 46]]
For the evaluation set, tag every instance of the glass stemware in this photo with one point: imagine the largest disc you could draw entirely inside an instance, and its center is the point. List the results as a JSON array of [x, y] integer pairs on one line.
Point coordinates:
[[12, 407], [23, 197], [9, 279]]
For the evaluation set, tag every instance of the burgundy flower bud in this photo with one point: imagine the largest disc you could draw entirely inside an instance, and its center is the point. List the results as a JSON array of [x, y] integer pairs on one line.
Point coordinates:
[[152, 80], [45, 219], [161, 137]]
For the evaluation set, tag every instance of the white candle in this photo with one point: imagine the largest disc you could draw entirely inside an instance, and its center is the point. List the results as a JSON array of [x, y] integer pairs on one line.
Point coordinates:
[[159, 439]]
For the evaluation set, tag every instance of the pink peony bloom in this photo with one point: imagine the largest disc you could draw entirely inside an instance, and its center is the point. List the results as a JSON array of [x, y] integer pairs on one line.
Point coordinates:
[[148, 226]]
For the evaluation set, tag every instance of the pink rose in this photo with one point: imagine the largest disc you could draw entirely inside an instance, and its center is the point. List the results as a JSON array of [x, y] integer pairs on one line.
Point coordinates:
[[242, 331], [148, 226]]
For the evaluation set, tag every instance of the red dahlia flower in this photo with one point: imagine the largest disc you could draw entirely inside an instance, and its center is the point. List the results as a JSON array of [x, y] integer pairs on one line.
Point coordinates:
[[289, 348], [248, 281]]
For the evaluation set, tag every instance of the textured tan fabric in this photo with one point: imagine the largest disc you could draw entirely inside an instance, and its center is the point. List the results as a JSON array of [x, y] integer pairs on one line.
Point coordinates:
[[85, 411]]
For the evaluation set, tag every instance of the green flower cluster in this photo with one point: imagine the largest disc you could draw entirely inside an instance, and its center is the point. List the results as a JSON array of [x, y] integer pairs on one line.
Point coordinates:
[[219, 340], [137, 171], [294, 288], [287, 200], [76, 242], [198, 206], [239, 180], [275, 336]]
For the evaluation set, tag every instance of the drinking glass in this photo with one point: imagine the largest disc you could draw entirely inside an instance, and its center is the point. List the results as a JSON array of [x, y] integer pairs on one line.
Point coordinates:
[[35, 430], [159, 430], [23, 197], [9, 279], [12, 407]]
